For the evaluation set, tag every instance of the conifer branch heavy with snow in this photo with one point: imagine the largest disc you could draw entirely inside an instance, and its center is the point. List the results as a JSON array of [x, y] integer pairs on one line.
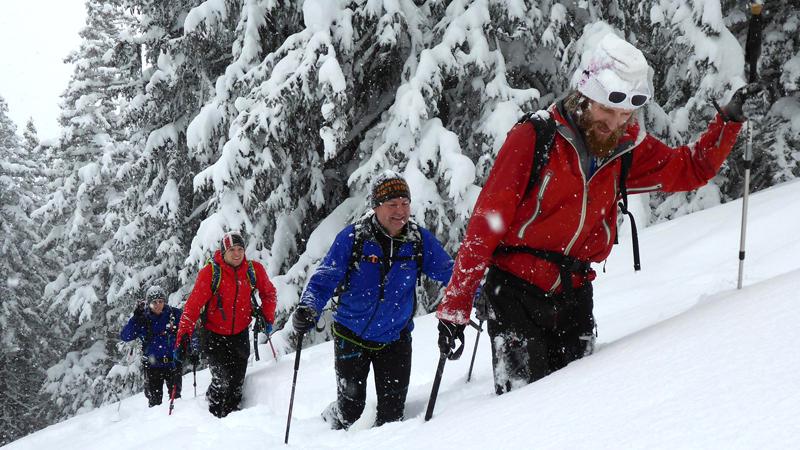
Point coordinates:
[[185, 119]]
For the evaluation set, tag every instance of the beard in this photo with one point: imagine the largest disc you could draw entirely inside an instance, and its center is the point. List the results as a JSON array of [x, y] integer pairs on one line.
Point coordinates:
[[599, 146]]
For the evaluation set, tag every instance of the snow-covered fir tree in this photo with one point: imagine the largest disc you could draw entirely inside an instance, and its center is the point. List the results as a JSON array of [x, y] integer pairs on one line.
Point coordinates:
[[8, 129], [186, 47], [83, 210], [693, 40], [25, 339], [362, 87], [155, 218], [776, 132], [30, 137]]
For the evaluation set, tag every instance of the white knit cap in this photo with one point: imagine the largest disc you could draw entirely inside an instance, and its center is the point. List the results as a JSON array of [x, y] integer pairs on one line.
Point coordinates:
[[615, 74]]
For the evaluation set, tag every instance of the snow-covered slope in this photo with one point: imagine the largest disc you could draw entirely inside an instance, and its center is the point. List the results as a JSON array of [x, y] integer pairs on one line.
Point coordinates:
[[685, 361]]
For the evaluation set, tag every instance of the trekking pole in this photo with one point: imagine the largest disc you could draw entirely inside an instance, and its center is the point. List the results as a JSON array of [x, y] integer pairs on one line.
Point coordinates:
[[479, 327], [177, 368], [752, 52], [172, 396], [748, 162], [194, 377], [294, 384], [274, 355], [255, 339], [437, 379]]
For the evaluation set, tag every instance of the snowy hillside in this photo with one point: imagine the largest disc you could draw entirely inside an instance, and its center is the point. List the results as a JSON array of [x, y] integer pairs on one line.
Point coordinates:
[[685, 361]]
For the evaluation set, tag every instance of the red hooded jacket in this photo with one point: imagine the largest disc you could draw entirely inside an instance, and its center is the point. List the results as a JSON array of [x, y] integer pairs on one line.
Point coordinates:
[[566, 212], [234, 289]]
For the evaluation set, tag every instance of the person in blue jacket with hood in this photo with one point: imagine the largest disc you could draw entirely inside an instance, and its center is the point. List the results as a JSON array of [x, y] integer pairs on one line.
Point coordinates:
[[156, 324], [373, 266]]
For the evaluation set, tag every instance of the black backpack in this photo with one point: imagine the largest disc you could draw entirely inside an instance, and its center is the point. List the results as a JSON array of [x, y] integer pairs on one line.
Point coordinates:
[[361, 234], [546, 130]]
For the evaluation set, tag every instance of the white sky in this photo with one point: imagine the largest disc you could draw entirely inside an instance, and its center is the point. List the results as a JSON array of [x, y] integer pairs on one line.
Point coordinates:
[[35, 37], [685, 361]]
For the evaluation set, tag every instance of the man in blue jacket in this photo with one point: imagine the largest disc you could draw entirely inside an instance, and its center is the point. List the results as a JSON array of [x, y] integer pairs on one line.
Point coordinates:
[[156, 325], [373, 265]]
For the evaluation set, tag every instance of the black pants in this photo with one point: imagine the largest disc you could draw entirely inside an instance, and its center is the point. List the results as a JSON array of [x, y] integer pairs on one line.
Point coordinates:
[[534, 334], [392, 364], [154, 380], [227, 360]]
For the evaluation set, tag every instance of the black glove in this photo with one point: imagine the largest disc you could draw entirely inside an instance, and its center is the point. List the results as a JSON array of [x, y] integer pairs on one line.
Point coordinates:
[[193, 349], [449, 332], [481, 307], [733, 110], [177, 354], [138, 314], [303, 319], [181, 347]]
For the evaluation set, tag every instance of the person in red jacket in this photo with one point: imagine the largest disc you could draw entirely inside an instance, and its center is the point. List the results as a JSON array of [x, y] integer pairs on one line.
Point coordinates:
[[538, 241], [227, 315]]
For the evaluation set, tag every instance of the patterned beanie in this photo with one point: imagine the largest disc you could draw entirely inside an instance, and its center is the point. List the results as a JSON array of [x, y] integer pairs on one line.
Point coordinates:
[[387, 186], [155, 292]]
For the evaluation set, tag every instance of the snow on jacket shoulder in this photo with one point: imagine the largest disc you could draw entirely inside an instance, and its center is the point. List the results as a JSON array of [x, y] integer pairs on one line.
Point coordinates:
[[361, 308], [157, 333], [229, 311], [567, 211]]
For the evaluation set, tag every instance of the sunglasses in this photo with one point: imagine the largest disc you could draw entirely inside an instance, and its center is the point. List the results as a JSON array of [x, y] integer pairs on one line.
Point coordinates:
[[636, 100]]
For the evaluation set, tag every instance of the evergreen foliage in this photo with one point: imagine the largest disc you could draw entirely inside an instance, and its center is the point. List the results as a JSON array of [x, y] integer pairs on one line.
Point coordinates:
[[188, 118], [83, 209], [26, 271]]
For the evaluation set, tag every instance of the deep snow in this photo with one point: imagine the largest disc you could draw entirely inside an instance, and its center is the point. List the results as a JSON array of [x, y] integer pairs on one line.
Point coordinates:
[[684, 361]]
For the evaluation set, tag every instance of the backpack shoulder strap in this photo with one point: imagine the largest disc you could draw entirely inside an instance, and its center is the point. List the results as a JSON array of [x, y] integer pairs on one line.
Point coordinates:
[[216, 275], [360, 231], [627, 161], [419, 256], [415, 236], [360, 235], [251, 275], [216, 278], [545, 127]]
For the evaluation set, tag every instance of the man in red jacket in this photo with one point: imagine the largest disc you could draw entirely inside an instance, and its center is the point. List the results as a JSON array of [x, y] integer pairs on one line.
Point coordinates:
[[227, 314], [538, 241]]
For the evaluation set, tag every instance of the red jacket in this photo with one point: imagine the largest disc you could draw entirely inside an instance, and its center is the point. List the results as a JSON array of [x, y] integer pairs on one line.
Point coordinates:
[[234, 288], [565, 212]]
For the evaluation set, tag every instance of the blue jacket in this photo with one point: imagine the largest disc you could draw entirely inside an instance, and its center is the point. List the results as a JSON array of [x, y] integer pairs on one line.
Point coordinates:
[[360, 308], [157, 333]]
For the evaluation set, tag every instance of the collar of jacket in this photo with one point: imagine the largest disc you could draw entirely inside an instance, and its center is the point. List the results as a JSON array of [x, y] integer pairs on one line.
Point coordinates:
[[227, 267], [568, 129], [380, 233], [164, 312]]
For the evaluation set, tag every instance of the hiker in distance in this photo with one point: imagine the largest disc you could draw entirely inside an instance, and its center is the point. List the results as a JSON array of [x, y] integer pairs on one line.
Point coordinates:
[[221, 297], [537, 229], [156, 324], [373, 266]]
